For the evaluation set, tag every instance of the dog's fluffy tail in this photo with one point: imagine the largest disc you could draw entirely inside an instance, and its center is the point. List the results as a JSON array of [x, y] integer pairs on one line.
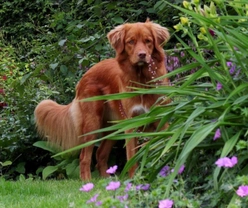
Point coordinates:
[[59, 124]]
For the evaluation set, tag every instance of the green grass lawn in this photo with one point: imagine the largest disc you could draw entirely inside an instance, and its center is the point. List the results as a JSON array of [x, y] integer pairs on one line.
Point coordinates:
[[42, 194]]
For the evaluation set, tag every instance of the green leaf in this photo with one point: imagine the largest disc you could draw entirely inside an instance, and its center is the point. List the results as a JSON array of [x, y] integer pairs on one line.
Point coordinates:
[[62, 42], [53, 66], [48, 171], [64, 69], [46, 146], [6, 163], [118, 20]]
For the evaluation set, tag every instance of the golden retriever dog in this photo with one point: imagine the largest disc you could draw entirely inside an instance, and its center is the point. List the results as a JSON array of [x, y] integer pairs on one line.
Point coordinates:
[[139, 59]]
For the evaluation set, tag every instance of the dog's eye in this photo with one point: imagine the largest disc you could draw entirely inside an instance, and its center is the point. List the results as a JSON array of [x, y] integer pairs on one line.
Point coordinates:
[[131, 42], [148, 41]]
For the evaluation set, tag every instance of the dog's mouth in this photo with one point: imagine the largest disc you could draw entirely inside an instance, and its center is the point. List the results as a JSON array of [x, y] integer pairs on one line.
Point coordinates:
[[142, 63]]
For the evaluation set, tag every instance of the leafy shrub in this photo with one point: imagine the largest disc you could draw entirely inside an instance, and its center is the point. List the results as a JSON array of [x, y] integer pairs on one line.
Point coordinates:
[[16, 115]]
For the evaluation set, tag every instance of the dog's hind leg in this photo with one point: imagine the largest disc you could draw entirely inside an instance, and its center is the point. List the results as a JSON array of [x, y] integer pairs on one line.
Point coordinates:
[[93, 112]]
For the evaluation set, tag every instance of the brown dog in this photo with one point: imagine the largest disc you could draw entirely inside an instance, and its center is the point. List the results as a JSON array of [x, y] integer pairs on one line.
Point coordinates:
[[139, 59]]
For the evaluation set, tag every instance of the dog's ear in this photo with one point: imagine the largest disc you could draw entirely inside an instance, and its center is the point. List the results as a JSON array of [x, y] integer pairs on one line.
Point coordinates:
[[161, 34], [116, 38]]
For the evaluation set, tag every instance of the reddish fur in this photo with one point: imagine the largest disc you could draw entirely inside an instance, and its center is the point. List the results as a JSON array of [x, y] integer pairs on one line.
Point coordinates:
[[63, 124]]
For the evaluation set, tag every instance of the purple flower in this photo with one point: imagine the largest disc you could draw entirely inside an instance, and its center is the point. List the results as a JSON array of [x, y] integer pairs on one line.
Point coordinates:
[[164, 171], [113, 185], [217, 134], [227, 162], [87, 187], [112, 170], [242, 191], [219, 86], [93, 199], [99, 203], [122, 198], [143, 187], [128, 187], [237, 73], [181, 169], [231, 66], [166, 203]]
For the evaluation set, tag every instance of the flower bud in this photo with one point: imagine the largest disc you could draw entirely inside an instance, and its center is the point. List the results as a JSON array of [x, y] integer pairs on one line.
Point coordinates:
[[186, 4], [184, 20], [178, 27], [203, 30], [196, 2]]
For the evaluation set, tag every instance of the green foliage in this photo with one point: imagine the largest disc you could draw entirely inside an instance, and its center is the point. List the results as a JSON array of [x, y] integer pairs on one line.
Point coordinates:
[[16, 114]]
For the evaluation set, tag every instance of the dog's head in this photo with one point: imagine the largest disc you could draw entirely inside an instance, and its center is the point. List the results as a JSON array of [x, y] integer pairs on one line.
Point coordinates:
[[138, 41]]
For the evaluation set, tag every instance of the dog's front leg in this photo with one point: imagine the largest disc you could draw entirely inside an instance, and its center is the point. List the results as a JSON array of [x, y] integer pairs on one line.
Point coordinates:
[[102, 156], [131, 150]]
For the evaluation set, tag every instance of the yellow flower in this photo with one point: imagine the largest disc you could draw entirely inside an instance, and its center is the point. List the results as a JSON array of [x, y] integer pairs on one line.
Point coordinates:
[[186, 4], [178, 27], [184, 20], [202, 37], [203, 30]]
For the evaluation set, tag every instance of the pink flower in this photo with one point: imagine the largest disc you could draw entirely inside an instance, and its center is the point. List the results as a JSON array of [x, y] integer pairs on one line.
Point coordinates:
[[87, 187], [166, 203], [242, 191], [112, 170], [128, 187], [143, 187], [217, 134], [122, 198], [113, 185], [99, 203], [93, 199], [219, 86], [231, 66], [164, 171], [227, 162], [181, 169]]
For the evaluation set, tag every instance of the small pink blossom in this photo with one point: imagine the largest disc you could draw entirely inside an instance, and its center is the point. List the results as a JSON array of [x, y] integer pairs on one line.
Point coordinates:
[[93, 199], [143, 187], [217, 134], [113, 185], [227, 162], [166, 203], [128, 187], [242, 191], [112, 170], [181, 169], [164, 171], [218, 86], [122, 198], [87, 187]]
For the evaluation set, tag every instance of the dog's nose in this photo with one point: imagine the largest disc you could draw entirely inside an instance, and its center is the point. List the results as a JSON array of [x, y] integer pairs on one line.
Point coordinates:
[[142, 54]]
